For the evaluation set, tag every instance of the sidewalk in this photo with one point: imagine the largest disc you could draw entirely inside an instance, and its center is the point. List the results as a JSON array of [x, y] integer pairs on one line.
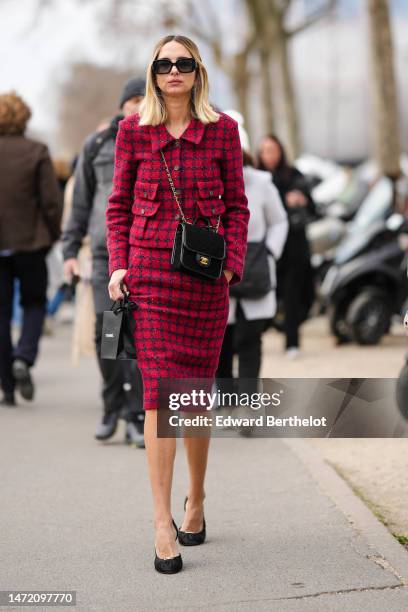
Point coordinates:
[[285, 533]]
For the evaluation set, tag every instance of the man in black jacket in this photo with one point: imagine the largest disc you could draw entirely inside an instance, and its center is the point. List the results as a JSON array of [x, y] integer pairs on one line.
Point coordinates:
[[122, 383]]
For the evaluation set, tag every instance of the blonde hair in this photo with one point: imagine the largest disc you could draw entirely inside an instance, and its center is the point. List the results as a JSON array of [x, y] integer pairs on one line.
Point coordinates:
[[14, 114], [153, 109]]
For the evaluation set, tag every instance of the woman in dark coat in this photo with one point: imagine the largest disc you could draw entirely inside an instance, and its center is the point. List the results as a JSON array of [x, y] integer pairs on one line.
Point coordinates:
[[180, 320], [30, 217], [295, 284]]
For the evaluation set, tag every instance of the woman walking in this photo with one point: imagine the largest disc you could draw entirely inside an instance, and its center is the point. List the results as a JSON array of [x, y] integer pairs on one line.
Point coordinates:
[[248, 310], [180, 319], [295, 273], [30, 217]]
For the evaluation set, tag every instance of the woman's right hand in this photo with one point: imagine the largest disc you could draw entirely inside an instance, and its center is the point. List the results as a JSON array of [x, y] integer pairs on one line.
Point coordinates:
[[116, 285]]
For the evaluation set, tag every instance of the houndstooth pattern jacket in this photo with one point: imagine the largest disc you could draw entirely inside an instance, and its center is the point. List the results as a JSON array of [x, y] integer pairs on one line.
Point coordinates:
[[206, 168]]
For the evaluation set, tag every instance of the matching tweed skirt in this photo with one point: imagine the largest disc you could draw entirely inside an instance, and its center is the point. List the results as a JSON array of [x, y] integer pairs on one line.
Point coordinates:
[[180, 320]]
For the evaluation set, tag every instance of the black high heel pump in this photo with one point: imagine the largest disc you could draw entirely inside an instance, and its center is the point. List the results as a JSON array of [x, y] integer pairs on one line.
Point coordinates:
[[187, 538], [168, 566]]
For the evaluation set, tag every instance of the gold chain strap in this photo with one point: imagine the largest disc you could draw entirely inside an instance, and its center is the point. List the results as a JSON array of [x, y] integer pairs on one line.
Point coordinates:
[[175, 194]]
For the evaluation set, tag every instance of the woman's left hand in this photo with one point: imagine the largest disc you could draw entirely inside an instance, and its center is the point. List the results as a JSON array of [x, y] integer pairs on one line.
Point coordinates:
[[295, 198], [228, 274]]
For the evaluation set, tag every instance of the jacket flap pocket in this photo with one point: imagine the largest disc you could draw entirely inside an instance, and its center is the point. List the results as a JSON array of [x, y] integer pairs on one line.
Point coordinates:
[[145, 208], [147, 191], [210, 189], [211, 208]]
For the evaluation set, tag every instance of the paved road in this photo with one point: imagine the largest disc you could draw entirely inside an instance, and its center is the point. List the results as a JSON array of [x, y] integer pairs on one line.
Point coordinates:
[[285, 534], [321, 358]]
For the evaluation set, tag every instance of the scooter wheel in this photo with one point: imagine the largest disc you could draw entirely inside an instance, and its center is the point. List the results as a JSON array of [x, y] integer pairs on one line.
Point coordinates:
[[337, 324], [402, 392], [368, 316]]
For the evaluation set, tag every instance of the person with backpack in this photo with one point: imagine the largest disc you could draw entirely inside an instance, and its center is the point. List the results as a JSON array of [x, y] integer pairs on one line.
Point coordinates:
[[253, 301], [122, 383]]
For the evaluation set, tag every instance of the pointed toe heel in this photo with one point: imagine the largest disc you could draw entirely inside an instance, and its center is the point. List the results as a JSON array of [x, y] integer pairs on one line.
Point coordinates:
[[168, 566], [171, 565], [187, 538]]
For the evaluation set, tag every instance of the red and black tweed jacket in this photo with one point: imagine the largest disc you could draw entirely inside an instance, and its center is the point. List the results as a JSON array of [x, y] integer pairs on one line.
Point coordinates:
[[206, 167]]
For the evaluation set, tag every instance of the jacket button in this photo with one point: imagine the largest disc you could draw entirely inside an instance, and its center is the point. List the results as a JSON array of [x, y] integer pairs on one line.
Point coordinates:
[[145, 194], [176, 167], [213, 211], [211, 193], [143, 211], [177, 143]]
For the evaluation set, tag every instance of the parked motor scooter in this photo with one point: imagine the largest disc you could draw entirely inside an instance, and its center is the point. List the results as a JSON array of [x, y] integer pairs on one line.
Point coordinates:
[[367, 283], [326, 234]]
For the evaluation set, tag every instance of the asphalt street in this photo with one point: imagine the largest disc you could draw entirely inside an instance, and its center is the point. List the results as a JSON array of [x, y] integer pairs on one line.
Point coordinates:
[[285, 533]]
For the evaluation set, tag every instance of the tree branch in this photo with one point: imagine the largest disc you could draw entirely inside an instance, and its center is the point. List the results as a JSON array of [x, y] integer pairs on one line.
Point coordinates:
[[313, 18], [213, 42]]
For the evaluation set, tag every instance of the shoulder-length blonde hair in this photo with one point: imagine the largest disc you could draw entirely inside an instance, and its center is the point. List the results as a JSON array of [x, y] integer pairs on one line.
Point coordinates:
[[153, 109]]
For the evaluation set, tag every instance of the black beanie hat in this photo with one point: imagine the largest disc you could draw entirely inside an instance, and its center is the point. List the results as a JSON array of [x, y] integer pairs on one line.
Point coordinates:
[[134, 87]]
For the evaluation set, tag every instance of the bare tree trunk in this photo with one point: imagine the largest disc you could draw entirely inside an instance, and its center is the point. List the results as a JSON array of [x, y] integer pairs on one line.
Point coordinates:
[[289, 100], [263, 23], [268, 107], [386, 128], [240, 78]]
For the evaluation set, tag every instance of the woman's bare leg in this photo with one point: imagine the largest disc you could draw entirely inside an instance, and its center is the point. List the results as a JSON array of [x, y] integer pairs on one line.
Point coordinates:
[[160, 456], [197, 455]]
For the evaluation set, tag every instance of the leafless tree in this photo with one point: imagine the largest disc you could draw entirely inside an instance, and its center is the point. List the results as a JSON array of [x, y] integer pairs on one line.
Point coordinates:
[[264, 38], [273, 36], [386, 128], [268, 37]]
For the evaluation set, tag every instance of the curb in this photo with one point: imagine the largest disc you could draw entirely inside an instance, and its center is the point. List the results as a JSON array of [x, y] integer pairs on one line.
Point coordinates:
[[389, 553]]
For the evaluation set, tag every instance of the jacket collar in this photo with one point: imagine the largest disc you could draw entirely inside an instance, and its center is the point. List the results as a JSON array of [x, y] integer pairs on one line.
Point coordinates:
[[114, 124], [160, 136]]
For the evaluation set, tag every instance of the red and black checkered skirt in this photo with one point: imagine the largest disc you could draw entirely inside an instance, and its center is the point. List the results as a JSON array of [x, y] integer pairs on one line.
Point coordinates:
[[180, 320]]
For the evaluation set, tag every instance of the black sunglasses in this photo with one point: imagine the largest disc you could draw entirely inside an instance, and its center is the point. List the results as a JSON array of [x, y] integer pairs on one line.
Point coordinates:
[[183, 64]]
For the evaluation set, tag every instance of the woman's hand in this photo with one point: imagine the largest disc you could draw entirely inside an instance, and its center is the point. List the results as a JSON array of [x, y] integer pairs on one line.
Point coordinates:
[[228, 275], [295, 198], [71, 269], [116, 285]]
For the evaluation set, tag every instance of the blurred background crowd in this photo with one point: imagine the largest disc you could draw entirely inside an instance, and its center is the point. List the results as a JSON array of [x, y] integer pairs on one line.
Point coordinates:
[[317, 89]]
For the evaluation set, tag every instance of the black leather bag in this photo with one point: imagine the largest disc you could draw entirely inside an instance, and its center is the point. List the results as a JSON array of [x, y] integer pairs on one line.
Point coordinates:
[[256, 279], [197, 250], [117, 331]]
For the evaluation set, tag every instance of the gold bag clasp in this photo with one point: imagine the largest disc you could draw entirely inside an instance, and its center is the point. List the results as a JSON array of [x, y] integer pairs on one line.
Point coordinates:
[[203, 261]]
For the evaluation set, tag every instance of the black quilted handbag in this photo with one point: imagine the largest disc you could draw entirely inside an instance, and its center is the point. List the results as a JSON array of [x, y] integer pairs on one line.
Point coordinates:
[[197, 250]]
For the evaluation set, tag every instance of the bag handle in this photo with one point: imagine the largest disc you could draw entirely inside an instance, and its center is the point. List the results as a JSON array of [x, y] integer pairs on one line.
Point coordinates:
[[125, 305], [175, 195]]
